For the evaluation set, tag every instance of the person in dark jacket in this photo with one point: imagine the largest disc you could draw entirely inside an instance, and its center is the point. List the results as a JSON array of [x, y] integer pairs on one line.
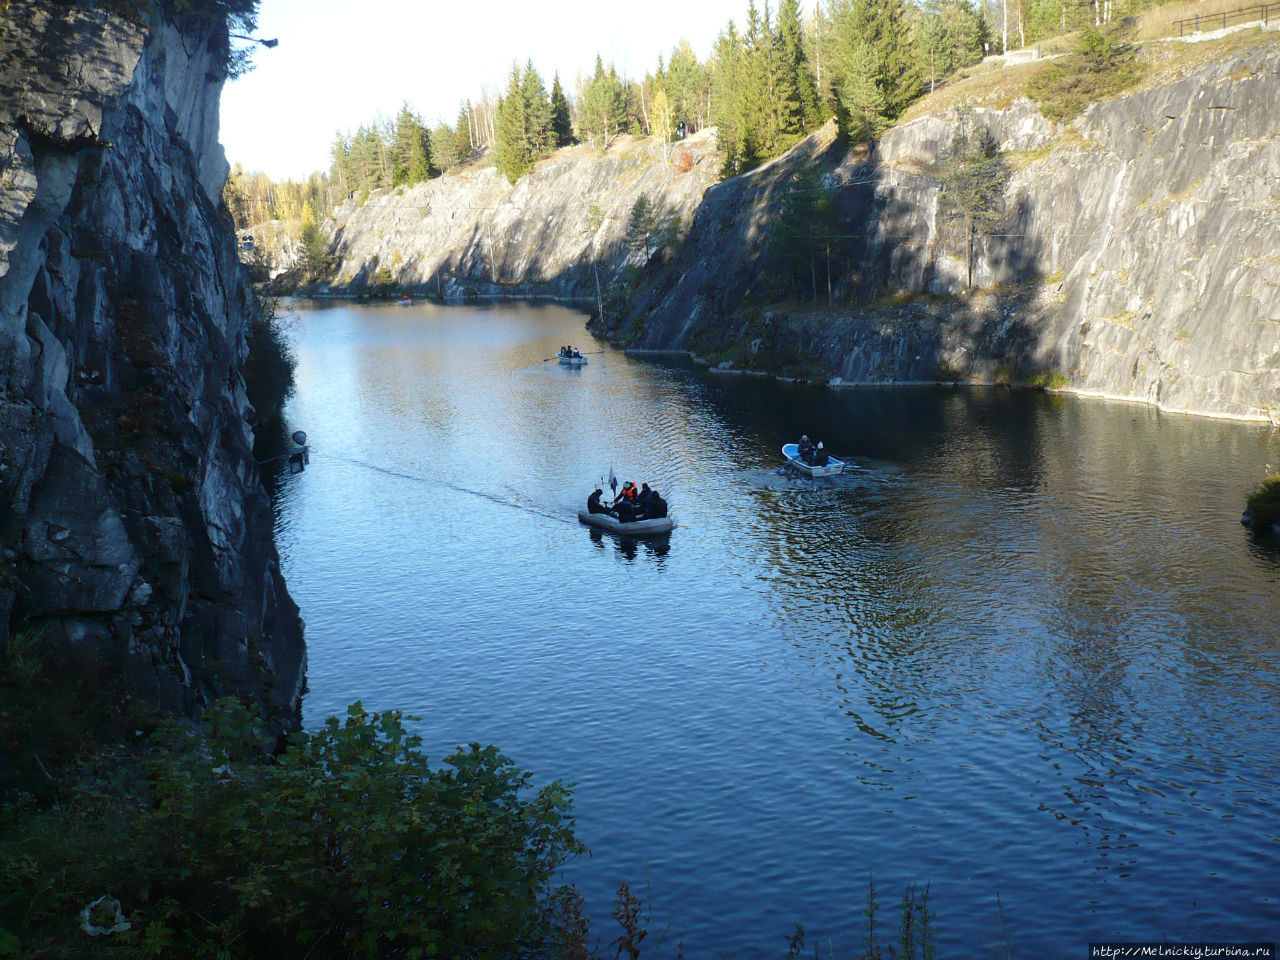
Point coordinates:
[[642, 500], [820, 457], [624, 507], [593, 502], [805, 449], [655, 507]]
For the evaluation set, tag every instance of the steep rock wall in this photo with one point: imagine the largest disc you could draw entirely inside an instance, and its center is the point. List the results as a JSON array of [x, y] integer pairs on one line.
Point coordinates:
[[557, 230], [1142, 243], [135, 530]]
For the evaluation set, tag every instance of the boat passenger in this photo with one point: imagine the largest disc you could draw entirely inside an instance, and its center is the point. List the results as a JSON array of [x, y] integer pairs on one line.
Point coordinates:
[[820, 456], [642, 499], [805, 450], [656, 507], [624, 507], [593, 502], [577, 354]]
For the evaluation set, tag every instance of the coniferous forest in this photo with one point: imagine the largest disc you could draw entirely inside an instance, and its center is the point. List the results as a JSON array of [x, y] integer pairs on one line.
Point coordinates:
[[769, 81]]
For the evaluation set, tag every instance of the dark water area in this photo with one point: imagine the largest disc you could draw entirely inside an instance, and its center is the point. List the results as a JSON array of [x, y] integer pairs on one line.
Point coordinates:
[[1024, 652]]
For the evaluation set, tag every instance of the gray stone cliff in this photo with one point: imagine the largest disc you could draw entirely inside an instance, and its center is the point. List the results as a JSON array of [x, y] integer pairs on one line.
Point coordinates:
[[556, 231], [135, 530], [1138, 258]]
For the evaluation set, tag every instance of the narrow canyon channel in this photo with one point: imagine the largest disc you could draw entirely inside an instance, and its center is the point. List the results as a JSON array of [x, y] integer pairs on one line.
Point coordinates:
[[1024, 652]]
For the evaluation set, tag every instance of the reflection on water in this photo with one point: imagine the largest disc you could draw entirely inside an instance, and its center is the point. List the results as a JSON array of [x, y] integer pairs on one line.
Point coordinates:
[[1024, 649], [630, 547]]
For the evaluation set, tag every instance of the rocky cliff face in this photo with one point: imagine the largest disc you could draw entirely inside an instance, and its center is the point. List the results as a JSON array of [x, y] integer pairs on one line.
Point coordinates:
[[561, 227], [1137, 258], [134, 527]]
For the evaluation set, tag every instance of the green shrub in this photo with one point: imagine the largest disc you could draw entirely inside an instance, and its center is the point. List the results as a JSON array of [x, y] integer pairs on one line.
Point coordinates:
[[269, 368], [1264, 503], [1099, 68], [350, 844], [1050, 380]]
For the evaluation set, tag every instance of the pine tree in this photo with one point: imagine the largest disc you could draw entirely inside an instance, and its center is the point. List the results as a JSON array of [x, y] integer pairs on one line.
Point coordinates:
[[561, 118]]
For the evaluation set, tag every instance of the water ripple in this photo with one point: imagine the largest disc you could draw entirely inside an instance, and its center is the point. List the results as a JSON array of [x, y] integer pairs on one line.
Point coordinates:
[[1023, 650]]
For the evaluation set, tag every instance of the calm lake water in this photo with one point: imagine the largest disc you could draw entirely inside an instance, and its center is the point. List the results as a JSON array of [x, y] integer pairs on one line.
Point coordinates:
[[1025, 653]]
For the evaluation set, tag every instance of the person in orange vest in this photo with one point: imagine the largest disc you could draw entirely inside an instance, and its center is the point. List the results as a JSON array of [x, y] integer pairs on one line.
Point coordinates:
[[625, 506]]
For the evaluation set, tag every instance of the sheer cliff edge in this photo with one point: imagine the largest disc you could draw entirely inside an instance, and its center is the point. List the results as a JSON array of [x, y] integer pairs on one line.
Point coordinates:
[[137, 537]]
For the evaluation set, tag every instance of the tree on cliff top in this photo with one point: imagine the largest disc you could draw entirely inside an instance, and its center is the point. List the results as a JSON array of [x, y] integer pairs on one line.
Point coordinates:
[[873, 41], [798, 91], [602, 105], [561, 115], [524, 131]]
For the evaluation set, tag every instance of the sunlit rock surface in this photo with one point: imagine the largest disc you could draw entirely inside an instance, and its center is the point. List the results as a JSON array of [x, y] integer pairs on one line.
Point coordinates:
[[561, 228], [1139, 258]]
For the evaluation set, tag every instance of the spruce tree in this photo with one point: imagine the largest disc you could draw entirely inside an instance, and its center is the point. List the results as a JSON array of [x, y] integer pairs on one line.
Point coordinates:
[[760, 103], [538, 137], [687, 85], [806, 238], [509, 152], [974, 184], [421, 164], [561, 118], [444, 147], [900, 70], [641, 225], [728, 109], [462, 132], [873, 39], [861, 112], [603, 105], [800, 110], [410, 150]]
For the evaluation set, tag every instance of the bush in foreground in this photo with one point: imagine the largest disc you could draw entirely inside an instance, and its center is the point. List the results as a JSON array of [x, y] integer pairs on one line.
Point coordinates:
[[349, 844]]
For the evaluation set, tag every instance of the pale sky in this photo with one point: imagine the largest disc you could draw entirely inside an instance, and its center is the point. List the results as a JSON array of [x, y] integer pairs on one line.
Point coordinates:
[[340, 63]]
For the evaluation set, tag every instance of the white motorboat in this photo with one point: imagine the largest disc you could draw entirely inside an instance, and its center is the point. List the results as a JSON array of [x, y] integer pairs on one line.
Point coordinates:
[[633, 528], [792, 452]]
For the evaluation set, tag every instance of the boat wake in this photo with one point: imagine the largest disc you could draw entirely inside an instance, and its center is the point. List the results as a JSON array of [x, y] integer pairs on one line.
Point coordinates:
[[511, 500]]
